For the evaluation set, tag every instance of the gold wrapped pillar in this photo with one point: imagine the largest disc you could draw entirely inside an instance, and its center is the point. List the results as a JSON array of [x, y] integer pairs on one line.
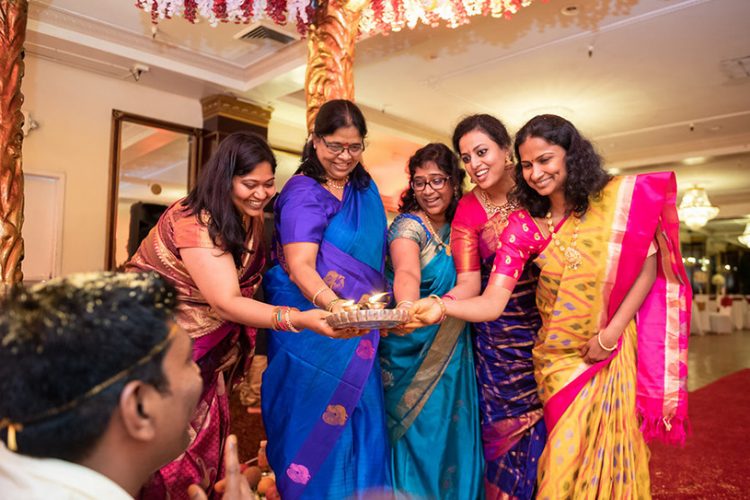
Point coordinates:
[[13, 15], [330, 54]]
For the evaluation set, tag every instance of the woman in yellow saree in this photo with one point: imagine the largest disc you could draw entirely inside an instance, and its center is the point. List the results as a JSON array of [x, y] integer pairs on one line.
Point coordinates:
[[611, 357]]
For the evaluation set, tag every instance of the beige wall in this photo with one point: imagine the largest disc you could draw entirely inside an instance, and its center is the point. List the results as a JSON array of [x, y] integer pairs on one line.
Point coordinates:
[[74, 111]]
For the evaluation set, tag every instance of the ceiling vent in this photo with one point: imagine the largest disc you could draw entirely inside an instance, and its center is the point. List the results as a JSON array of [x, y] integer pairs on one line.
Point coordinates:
[[266, 31], [736, 69]]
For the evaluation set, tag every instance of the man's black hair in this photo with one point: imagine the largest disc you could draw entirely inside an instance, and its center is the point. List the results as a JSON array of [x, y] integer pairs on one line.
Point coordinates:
[[60, 339]]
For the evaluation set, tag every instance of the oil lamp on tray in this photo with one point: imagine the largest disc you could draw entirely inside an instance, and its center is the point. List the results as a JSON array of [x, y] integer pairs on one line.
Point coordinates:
[[369, 313]]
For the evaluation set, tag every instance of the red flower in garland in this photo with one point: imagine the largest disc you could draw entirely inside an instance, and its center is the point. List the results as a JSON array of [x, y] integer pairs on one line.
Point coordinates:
[[276, 10], [220, 10], [191, 9], [247, 8]]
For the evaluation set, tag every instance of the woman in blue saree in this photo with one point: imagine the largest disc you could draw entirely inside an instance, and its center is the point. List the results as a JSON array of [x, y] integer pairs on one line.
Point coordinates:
[[322, 401], [430, 390]]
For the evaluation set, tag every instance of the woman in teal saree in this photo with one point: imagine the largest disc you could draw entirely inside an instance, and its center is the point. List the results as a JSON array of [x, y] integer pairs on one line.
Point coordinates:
[[428, 375]]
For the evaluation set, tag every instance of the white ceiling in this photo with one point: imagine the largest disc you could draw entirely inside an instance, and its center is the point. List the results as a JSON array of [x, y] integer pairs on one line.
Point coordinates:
[[652, 82]]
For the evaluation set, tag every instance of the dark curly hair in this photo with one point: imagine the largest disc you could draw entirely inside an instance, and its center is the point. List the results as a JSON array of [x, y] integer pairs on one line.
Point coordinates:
[[238, 154], [585, 175], [332, 116], [488, 124], [443, 157], [62, 338]]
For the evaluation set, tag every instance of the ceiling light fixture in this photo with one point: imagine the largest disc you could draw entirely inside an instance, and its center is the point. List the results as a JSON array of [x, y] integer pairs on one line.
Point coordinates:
[[695, 208], [745, 237]]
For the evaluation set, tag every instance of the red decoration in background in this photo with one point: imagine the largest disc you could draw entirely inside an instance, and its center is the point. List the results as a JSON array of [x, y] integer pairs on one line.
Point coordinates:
[[379, 17]]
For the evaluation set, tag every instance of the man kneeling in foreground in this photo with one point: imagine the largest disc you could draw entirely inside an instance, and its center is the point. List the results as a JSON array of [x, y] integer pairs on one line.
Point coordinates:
[[97, 386]]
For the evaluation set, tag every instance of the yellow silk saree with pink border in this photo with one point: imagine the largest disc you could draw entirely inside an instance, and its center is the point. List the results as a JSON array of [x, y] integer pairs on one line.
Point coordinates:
[[600, 416]]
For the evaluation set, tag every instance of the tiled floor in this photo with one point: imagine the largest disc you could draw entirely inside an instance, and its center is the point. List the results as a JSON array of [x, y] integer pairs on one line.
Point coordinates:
[[711, 357]]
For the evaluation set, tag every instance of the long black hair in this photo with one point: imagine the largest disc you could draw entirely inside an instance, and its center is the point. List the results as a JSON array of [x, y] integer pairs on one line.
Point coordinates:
[[585, 175], [443, 157], [238, 154], [332, 116], [488, 124]]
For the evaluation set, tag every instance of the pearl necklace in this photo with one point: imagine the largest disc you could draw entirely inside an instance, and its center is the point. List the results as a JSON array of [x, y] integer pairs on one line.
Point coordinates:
[[572, 256], [492, 208], [331, 184], [440, 243]]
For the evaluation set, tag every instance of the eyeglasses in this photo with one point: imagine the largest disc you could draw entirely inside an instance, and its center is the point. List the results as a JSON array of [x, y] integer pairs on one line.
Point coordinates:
[[337, 148], [436, 183]]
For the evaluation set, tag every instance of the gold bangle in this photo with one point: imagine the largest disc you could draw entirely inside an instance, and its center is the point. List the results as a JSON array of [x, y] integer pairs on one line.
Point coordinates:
[[315, 296], [608, 349], [410, 302], [288, 325], [443, 308], [332, 303]]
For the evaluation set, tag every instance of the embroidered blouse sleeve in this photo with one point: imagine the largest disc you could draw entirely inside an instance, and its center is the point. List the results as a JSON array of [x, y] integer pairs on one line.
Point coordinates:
[[520, 240], [406, 227], [465, 240]]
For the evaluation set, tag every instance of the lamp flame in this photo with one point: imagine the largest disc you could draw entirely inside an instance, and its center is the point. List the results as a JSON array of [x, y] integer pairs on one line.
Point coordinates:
[[350, 306], [378, 301]]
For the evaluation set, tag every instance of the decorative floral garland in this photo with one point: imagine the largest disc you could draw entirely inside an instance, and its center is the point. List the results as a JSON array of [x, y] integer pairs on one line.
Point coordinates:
[[380, 16], [232, 11], [383, 16]]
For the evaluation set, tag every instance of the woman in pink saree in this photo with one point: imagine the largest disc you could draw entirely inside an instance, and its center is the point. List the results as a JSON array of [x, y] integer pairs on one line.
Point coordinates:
[[611, 357], [209, 247]]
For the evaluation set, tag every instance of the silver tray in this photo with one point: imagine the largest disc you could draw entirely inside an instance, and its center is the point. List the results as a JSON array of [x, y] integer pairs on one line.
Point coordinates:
[[369, 319]]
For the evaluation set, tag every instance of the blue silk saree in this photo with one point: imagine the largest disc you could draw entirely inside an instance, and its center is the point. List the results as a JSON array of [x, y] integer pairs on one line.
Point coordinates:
[[322, 398]]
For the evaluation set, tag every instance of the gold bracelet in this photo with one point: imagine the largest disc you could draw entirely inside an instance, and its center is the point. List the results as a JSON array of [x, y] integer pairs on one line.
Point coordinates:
[[315, 296], [332, 303], [288, 325], [443, 308], [410, 302], [608, 349]]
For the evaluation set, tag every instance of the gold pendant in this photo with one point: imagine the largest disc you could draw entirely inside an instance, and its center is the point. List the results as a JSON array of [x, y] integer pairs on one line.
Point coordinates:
[[573, 258]]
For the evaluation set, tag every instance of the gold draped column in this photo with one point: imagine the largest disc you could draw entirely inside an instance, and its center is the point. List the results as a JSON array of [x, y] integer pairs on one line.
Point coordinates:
[[13, 15], [330, 54]]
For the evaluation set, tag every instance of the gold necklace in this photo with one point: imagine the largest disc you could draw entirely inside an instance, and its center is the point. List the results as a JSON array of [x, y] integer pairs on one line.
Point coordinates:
[[337, 185], [493, 208], [438, 239], [572, 256]]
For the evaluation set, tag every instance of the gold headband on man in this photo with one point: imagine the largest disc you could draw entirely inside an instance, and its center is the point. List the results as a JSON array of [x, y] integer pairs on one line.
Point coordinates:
[[16, 427]]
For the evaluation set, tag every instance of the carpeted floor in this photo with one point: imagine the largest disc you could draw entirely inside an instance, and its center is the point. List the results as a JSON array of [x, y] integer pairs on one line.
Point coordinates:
[[715, 462]]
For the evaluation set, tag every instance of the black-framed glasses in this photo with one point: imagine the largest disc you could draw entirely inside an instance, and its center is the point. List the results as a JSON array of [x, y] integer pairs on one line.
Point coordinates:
[[436, 183], [338, 148]]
